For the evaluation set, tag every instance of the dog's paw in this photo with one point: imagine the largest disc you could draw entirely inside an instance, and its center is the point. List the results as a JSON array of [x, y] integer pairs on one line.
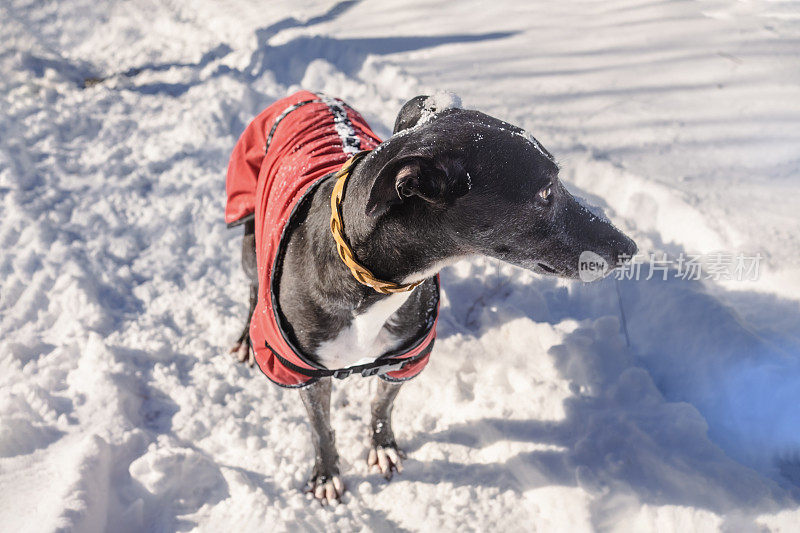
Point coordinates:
[[385, 460], [326, 490], [241, 352]]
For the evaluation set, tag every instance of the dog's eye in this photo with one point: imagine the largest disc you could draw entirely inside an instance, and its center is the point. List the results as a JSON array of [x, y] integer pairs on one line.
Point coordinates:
[[544, 194]]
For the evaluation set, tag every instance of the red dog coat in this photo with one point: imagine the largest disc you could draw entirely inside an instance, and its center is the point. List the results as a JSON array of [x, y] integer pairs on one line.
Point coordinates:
[[286, 151]]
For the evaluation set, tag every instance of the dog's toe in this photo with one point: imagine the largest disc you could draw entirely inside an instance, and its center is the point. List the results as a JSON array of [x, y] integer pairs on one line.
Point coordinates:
[[251, 358], [385, 460], [327, 490], [242, 353]]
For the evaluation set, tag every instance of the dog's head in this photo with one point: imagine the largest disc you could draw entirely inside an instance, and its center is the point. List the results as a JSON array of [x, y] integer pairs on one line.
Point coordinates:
[[489, 188]]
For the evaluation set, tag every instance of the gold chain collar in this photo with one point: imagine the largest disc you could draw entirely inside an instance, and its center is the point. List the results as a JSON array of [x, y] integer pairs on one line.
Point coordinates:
[[361, 273]]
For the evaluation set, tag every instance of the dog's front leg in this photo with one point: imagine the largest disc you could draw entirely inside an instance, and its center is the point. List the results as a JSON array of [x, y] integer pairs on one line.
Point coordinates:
[[242, 349], [384, 455], [325, 483]]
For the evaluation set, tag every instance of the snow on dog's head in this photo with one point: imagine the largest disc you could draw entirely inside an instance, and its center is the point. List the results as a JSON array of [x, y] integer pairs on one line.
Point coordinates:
[[422, 109], [441, 100], [438, 102]]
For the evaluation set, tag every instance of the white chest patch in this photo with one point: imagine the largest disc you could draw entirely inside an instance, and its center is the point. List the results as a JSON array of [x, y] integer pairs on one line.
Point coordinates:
[[365, 339]]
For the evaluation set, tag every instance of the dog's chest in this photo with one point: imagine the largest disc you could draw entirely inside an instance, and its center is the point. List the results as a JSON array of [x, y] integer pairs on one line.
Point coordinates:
[[365, 339]]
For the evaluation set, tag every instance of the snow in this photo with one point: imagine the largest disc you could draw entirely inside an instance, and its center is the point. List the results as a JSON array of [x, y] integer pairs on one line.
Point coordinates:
[[121, 290], [436, 103]]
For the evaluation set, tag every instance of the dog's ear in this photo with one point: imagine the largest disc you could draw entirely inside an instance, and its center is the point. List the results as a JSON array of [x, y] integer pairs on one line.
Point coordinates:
[[401, 180], [410, 113], [424, 107]]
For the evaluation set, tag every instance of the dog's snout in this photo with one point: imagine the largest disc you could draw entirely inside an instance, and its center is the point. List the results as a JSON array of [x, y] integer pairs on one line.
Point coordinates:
[[624, 251]]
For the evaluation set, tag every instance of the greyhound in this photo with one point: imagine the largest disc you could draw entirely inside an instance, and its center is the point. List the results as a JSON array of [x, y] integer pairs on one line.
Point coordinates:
[[449, 183]]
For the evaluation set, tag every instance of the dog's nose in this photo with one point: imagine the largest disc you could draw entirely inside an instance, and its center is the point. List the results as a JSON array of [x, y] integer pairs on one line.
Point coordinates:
[[625, 250]]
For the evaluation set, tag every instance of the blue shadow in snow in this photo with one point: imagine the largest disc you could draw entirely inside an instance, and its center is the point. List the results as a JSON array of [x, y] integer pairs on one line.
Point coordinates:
[[698, 387], [288, 61]]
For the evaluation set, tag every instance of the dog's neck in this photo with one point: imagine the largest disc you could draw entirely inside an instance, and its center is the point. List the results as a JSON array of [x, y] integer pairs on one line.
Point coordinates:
[[393, 250], [318, 295]]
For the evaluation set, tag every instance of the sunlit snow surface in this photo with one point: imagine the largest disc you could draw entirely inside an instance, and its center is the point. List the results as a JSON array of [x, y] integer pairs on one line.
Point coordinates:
[[121, 290]]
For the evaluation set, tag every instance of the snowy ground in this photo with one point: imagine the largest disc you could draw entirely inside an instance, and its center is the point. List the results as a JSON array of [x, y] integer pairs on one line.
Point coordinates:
[[120, 288]]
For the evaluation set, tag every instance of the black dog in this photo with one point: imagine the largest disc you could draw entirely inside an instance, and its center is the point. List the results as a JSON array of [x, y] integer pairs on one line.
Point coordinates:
[[450, 183]]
